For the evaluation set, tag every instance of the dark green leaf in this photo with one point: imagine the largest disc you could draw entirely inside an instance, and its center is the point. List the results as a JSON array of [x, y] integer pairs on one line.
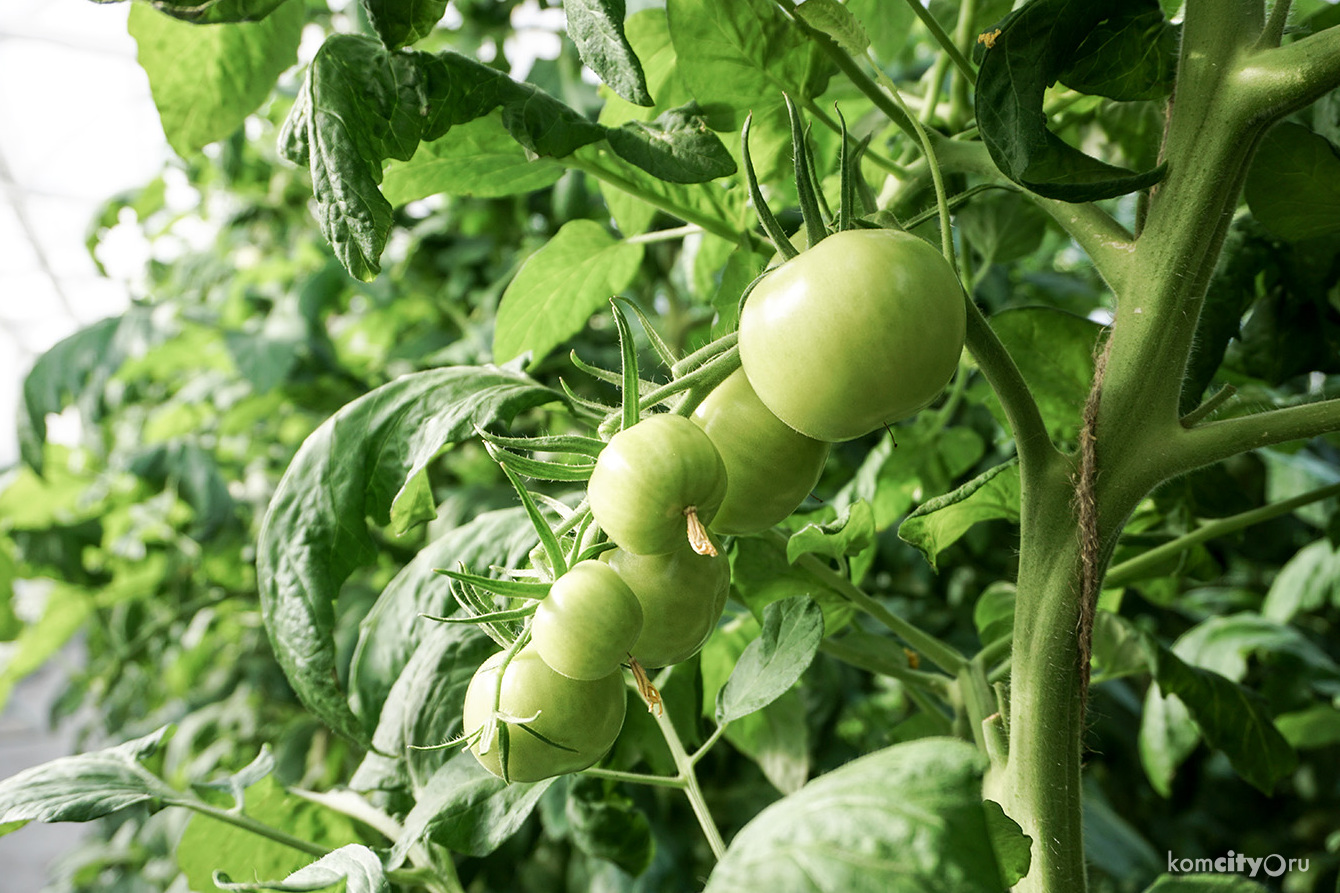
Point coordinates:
[[559, 287], [354, 864], [1013, 848], [761, 575], [677, 147], [597, 28], [851, 533], [608, 825], [1034, 47], [467, 810], [792, 631], [233, 68], [315, 532], [1002, 226], [400, 24], [84, 787], [909, 817], [1293, 185], [1131, 54], [1233, 719], [195, 473], [218, 11], [937, 524]]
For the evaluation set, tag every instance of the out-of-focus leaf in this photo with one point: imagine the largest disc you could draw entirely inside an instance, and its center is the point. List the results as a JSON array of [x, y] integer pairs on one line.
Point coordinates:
[[219, 11], [608, 825], [1293, 185], [355, 867], [315, 532], [233, 68], [1308, 581], [1002, 226], [195, 474]]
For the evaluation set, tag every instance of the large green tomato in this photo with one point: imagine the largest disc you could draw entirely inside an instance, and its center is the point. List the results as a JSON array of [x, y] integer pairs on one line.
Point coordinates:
[[587, 623], [770, 466], [682, 595], [861, 330], [584, 717], [650, 479]]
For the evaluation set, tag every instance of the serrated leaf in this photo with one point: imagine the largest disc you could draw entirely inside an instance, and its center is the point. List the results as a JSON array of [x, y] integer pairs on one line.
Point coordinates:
[[938, 523], [1029, 53], [597, 28], [838, 22], [400, 24], [792, 631], [677, 147], [233, 68], [1293, 185], [907, 817], [315, 532], [86, 786], [1131, 54], [559, 287], [852, 532], [354, 864]]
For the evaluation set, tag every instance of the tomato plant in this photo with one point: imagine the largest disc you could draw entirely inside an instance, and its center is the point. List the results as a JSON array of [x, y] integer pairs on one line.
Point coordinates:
[[859, 331], [1060, 616], [682, 595], [587, 624], [655, 484], [555, 724], [770, 467]]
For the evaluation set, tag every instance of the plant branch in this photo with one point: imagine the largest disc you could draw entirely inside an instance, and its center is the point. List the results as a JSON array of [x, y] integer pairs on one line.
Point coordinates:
[[944, 40], [1282, 79], [1274, 30], [1149, 563], [1218, 440], [660, 781], [247, 823], [689, 780], [887, 666]]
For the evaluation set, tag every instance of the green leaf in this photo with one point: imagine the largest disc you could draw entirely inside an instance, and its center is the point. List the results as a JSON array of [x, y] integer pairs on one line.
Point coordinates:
[[1308, 581], [75, 370], [851, 533], [195, 474], [909, 817], [1013, 848], [1131, 54], [937, 524], [206, 79], [1002, 226], [1031, 51], [838, 22], [1233, 719], [355, 865], [66, 610], [1118, 650], [1204, 883], [559, 287], [792, 631], [1293, 184], [1313, 727], [400, 24], [392, 631], [478, 158], [761, 575], [217, 11], [597, 28], [742, 56], [676, 148], [608, 825], [1054, 351], [467, 810], [993, 615], [315, 532], [208, 845], [86, 786]]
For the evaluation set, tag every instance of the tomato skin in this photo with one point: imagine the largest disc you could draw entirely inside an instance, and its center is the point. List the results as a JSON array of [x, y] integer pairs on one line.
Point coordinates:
[[859, 331], [648, 476], [682, 595], [585, 716], [770, 466], [586, 625]]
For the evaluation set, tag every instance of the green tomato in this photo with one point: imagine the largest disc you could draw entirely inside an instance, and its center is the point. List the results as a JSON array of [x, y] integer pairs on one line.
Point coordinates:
[[587, 623], [581, 718], [770, 466], [656, 484], [682, 595], [861, 330]]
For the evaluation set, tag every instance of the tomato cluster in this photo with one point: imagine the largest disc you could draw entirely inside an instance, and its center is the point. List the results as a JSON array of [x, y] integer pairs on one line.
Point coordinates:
[[859, 331]]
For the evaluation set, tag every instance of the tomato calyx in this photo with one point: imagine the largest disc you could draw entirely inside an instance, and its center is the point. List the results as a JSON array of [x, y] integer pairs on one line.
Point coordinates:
[[649, 692]]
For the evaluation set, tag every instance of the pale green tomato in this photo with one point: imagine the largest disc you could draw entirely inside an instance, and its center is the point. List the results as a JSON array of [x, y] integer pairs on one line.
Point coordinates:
[[587, 623], [682, 595]]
